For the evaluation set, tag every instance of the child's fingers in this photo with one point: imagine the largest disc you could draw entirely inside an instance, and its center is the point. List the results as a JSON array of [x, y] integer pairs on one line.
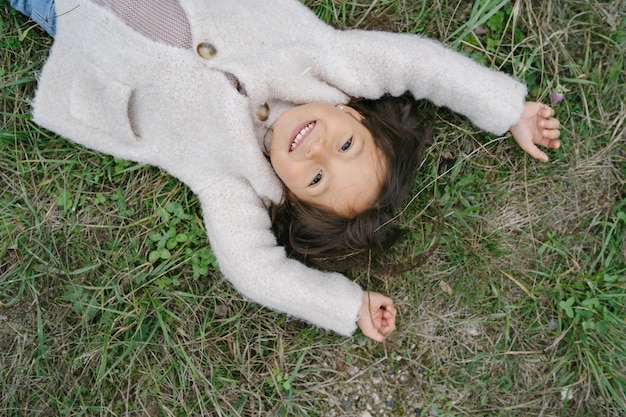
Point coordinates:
[[551, 134], [388, 323], [387, 313], [550, 123], [537, 153], [546, 111], [391, 310], [547, 142], [388, 319], [388, 327]]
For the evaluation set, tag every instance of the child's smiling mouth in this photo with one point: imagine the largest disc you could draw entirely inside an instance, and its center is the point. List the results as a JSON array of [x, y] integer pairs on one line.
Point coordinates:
[[300, 134]]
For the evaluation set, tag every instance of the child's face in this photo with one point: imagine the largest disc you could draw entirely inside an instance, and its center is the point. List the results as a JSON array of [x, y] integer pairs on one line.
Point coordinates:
[[326, 157]]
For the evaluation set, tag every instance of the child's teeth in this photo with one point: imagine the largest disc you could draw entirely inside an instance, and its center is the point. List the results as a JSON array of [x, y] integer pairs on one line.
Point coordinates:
[[299, 136]]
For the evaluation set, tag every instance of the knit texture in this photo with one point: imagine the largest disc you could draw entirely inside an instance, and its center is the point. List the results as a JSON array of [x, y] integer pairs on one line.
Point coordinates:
[[125, 90]]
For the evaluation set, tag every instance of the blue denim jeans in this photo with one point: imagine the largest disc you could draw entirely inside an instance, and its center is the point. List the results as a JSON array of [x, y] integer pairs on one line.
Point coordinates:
[[41, 11]]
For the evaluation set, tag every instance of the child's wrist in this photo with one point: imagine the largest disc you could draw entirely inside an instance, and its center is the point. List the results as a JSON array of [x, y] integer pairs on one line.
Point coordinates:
[[360, 314]]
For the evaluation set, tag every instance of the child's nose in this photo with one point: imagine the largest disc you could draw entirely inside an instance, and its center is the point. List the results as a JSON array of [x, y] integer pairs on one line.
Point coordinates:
[[317, 148]]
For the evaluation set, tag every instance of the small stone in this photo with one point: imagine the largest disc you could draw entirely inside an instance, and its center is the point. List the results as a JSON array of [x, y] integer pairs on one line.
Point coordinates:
[[553, 324], [352, 371], [445, 287], [221, 311], [567, 394], [365, 414], [480, 30], [473, 330], [390, 403], [376, 398]]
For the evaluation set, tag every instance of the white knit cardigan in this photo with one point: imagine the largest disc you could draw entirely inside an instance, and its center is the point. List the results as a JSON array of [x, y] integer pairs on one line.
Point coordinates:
[[109, 88]]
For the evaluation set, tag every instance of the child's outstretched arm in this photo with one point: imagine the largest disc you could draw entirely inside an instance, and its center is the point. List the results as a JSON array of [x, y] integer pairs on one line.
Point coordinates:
[[240, 233], [371, 63], [537, 126]]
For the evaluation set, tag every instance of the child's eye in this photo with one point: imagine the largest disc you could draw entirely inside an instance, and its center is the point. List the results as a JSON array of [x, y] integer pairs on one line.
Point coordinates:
[[346, 145], [317, 178]]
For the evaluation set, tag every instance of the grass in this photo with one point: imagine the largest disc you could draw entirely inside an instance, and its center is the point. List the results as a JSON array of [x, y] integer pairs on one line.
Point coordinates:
[[111, 303]]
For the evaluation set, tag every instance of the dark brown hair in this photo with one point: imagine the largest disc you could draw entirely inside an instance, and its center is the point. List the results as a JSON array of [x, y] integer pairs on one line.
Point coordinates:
[[319, 237]]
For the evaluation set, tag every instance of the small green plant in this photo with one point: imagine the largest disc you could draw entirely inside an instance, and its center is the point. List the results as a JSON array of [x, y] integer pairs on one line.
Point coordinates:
[[181, 231], [593, 309], [122, 204], [64, 200], [81, 301], [280, 381]]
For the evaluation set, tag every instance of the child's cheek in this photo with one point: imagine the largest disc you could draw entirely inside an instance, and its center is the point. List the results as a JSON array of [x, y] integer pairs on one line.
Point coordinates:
[[289, 172]]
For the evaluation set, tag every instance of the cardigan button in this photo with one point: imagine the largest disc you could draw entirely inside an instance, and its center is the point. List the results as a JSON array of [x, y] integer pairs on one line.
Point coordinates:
[[263, 112], [206, 50]]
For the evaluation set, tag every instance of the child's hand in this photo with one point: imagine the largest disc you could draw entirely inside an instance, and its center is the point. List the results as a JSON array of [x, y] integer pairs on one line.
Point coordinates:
[[377, 317], [537, 127]]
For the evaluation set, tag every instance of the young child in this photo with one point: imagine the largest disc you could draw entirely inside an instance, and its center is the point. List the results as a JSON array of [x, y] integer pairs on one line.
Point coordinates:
[[325, 238], [193, 87], [337, 241]]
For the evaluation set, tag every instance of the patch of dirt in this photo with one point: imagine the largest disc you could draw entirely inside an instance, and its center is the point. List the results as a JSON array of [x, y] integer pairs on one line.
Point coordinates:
[[18, 326]]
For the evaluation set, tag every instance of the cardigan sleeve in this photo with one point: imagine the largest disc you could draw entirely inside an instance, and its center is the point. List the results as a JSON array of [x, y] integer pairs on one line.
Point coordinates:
[[371, 63], [239, 231]]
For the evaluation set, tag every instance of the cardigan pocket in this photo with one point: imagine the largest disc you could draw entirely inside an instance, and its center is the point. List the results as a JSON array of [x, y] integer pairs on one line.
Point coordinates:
[[105, 105]]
